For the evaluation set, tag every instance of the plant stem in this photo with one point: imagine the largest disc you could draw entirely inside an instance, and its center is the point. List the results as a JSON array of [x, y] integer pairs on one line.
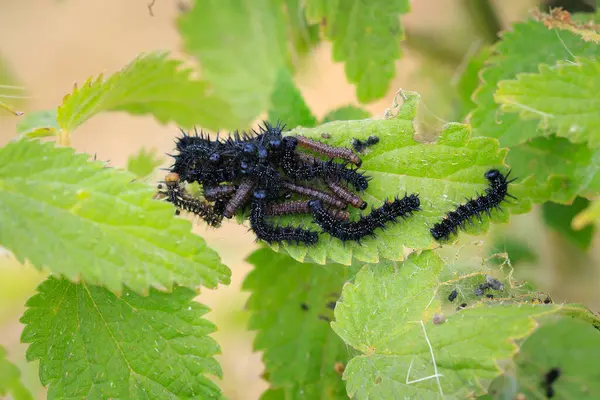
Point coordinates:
[[64, 138], [484, 17]]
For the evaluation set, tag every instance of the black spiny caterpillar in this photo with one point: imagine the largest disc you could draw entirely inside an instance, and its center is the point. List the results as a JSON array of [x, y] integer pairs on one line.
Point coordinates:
[[495, 193]]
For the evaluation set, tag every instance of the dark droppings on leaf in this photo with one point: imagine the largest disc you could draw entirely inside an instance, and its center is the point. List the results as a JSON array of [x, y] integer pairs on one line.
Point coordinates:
[[461, 307], [489, 296], [549, 378], [491, 283], [453, 295], [361, 145], [324, 318], [331, 305], [304, 306], [494, 283], [325, 135]]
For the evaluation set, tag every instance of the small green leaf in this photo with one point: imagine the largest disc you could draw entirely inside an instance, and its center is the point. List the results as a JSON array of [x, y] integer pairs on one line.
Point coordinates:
[[241, 47], [366, 37], [83, 220], [150, 84], [571, 345], [143, 163], [346, 113], [443, 173], [38, 124], [560, 217], [93, 344], [521, 50], [274, 394], [288, 105], [10, 380], [387, 314], [569, 168], [289, 305], [565, 97], [469, 81]]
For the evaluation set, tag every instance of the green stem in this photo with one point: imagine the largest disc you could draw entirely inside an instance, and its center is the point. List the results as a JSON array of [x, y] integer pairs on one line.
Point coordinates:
[[485, 18]]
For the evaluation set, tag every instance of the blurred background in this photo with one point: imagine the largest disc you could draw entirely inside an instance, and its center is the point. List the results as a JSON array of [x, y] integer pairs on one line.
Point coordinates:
[[48, 45]]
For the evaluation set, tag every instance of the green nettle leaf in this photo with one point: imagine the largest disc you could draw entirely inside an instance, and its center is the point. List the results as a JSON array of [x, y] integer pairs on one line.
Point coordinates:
[[93, 344], [570, 345], [442, 173], [304, 36], [241, 47], [560, 217], [150, 84], [389, 315], [570, 168], [291, 305], [287, 103], [346, 113], [83, 220], [39, 124], [522, 50], [366, 37], [10, 380], [565, 97], [469, 81], [274, 394], [143, 163]]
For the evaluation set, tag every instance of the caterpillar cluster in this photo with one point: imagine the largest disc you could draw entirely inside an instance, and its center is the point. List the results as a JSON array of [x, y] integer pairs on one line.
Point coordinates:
[[270, 175], [274, 175]]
